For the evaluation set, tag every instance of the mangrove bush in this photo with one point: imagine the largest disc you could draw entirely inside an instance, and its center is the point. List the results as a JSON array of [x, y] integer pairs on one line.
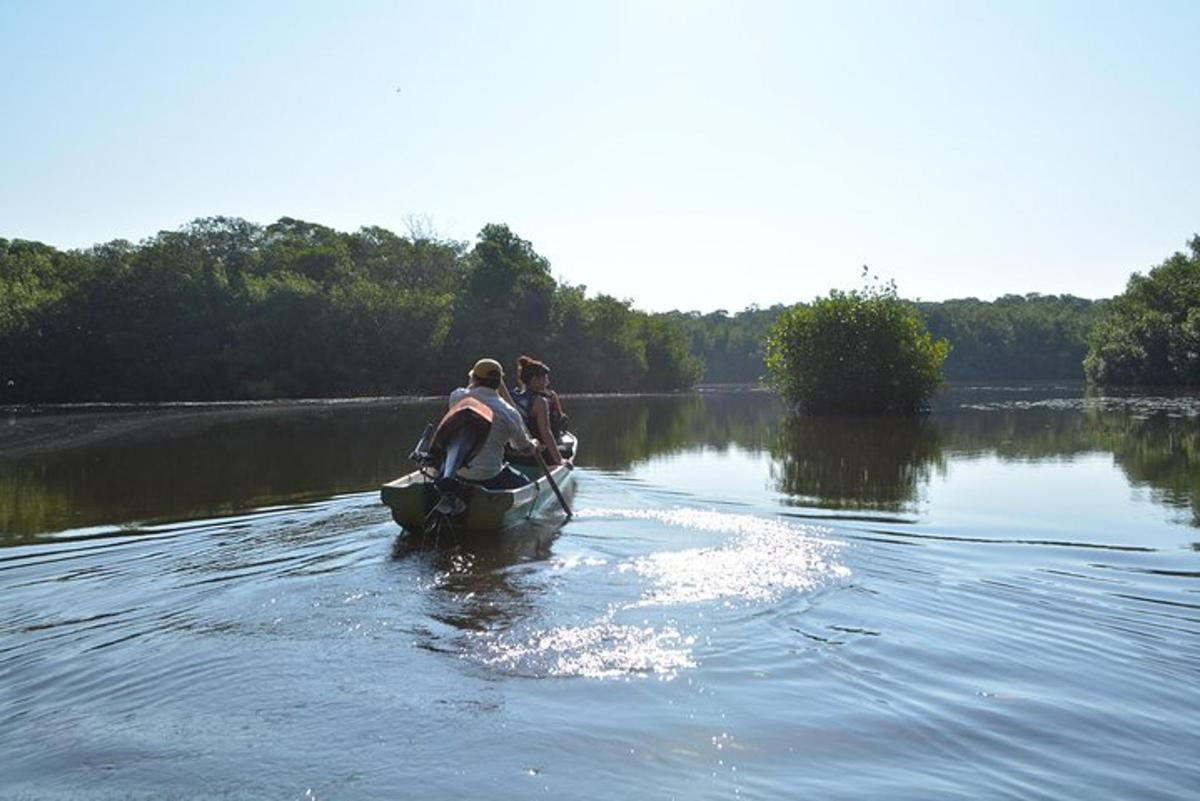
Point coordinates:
[[863, 351], [1151, 334]]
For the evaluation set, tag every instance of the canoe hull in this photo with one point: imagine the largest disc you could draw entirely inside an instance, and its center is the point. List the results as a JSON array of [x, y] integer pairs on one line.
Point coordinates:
[[411, 497]]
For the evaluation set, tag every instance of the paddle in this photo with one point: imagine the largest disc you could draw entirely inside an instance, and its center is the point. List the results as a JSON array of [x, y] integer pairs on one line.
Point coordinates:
[[537, 454]]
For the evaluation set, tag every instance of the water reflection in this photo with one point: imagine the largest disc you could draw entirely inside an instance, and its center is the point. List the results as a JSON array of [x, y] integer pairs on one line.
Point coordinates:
[[884, 463], [1160, 452], [193, 464], [178, 463], [877, 463], [478, 577], [495, 603], [618, 432]]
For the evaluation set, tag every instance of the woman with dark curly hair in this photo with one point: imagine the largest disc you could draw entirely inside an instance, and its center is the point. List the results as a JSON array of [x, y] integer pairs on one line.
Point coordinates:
[[540, 406]]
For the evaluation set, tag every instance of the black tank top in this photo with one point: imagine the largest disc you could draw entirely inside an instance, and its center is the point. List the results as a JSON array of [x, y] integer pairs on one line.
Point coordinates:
[[525, 399]]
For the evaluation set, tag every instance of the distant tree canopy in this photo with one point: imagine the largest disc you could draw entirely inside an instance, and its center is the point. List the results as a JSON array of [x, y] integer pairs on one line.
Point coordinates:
[[1015, 336], [863, 351], [226, 309], [731, 347], [1151, 334]]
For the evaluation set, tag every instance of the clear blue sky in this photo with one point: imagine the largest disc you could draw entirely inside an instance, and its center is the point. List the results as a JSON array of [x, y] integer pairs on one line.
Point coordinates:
[[683, 154]]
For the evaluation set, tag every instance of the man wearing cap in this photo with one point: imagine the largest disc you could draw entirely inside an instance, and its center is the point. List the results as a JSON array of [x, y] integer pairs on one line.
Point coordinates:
[[488, 467]]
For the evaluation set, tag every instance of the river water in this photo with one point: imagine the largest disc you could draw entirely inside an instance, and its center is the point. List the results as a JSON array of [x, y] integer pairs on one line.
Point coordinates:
[[1001, 600]]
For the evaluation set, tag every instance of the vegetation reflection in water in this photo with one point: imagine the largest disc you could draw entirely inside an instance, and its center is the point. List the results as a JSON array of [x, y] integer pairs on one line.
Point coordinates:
[[170, 471], [884, 462], [178, 464]]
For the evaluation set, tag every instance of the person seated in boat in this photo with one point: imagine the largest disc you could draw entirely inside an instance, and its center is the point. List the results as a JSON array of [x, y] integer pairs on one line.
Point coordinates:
[[539, 406], [488, 468]]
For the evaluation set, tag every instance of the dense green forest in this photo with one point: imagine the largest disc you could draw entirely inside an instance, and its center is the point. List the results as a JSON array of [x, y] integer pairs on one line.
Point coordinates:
[[731, 347], [1151, 334], [227, 309], [1013, 337]]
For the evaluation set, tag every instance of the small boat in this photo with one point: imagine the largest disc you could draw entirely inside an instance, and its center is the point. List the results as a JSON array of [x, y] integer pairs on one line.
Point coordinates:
[[416, 499]]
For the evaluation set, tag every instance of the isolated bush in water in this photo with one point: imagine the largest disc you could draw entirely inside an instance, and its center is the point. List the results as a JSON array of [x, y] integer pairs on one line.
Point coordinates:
[[856, 352], [1152, 332]]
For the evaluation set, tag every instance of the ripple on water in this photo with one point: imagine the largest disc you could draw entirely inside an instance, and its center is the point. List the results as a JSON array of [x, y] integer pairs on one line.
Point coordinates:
[[765, 559], [602, 650], [1181, 405], [762, 560]]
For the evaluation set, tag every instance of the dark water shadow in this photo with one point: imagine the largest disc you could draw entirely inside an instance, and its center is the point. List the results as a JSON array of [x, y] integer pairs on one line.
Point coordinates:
[[862, 463], [482, 581], [840, 466], [237, 463]]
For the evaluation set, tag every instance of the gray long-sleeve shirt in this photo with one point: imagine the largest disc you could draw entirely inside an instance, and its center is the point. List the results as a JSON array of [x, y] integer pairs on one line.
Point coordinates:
[[507, 429]]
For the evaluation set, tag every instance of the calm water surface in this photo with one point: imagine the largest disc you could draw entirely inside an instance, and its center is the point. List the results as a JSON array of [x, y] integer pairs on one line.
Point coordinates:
[[999, 601]]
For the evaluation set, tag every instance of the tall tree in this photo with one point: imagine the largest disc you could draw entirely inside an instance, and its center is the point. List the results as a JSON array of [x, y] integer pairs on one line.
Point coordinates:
[[1151, 334]]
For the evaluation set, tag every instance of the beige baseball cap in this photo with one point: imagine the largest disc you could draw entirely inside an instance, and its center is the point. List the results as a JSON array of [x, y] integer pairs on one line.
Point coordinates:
[[487, 368]]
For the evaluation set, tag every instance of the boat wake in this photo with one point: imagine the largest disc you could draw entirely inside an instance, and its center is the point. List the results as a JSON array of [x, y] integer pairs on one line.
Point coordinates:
[[764, 560], [602, 650], [654, 631]]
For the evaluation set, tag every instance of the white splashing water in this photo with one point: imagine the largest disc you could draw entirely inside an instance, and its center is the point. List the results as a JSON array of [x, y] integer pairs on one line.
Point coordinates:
[[571, 563], [764, 559], [602, 650]]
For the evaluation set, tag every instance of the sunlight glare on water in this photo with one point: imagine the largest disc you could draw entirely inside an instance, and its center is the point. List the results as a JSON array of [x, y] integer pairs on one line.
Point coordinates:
[[761, 561], [602, 650], [765, 559], [996, 601]]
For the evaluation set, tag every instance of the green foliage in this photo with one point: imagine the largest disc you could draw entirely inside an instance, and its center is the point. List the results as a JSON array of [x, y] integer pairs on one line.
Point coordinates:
[[856, 352], [504, 308], [596, 344], [731, 347], [1014, 337], [1151, 334], [226, 309], [669, 364]]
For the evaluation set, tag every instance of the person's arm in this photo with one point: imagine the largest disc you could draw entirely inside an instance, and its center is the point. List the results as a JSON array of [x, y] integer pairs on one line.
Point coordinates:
[[557, 402], [541, 416], [518, 437]]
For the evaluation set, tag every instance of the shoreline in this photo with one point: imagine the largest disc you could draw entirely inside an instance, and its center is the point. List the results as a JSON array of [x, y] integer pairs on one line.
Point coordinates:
[[35, 429], [47, 428], [21, 408], [135, 406]]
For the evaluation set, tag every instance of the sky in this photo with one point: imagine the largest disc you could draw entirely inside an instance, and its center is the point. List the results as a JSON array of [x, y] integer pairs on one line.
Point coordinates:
[[684, 155]]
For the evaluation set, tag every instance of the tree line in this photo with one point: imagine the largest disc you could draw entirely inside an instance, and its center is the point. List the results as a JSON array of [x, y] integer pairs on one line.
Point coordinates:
[[226, 309], [1014, 337], [1149, 334], [1152, 335], [223, 308]]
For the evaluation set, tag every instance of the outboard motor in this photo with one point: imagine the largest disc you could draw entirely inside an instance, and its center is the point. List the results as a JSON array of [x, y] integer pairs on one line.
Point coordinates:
[[452, 445], [420, 454]]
